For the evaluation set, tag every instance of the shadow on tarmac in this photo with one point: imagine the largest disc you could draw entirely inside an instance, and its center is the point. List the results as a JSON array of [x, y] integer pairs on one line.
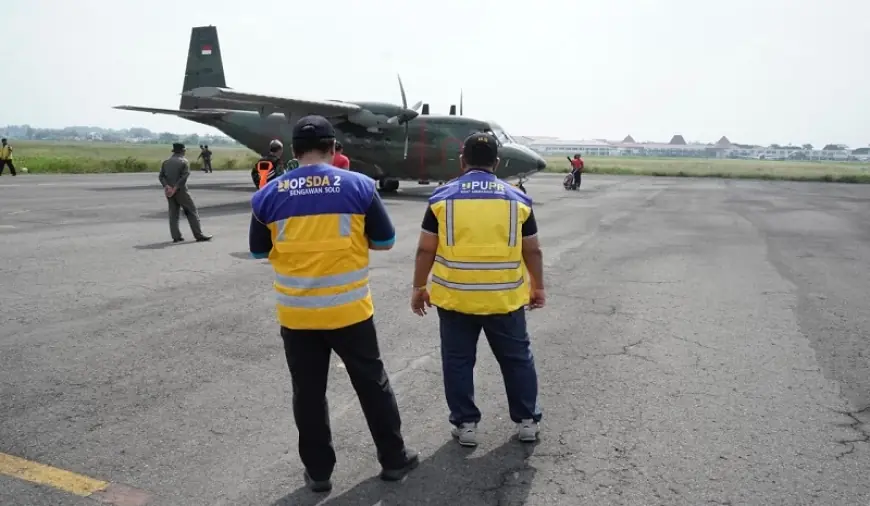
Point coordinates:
[[161, 245], [239, 187], [207, 211], [449, 476]]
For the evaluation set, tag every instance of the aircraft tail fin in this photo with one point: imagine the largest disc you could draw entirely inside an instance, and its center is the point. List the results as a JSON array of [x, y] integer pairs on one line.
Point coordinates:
[[205, 68]]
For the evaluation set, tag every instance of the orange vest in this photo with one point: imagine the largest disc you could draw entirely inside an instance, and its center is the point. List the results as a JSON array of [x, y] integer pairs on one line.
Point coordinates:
[[264, 167]]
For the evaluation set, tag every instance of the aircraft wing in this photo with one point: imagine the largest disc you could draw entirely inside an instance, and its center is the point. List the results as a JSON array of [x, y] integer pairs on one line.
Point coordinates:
[[268, 103], [190, 114]]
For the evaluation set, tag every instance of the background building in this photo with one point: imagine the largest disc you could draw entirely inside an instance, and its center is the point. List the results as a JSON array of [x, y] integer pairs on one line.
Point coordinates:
[[678, 147]]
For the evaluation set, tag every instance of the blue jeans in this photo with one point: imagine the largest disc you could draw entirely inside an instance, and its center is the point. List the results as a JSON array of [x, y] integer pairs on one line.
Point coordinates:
[[510, 344]]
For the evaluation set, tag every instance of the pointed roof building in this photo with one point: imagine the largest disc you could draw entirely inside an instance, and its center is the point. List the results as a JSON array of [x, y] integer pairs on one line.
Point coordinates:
[[678, 140]]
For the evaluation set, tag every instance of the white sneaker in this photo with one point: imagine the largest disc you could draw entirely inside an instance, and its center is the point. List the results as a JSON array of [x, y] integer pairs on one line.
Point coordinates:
[[527, 431], [466, 434]]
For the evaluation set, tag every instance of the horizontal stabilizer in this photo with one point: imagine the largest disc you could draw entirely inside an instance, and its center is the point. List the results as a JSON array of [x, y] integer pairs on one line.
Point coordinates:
[[190, 114], [279, 104]]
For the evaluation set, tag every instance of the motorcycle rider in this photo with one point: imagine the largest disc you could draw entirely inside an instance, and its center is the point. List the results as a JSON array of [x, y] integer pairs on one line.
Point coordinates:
[[576, 170], [270, 166]]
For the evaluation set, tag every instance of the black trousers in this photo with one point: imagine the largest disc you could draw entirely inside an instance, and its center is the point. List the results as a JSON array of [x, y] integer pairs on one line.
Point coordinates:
[[4, 163], [308, 353]]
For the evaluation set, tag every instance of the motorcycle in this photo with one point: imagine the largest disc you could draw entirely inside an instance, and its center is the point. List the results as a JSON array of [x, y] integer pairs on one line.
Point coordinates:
[[568, 183]]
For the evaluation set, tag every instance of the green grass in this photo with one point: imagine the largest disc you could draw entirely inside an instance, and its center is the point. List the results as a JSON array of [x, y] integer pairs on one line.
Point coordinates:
[[840, 172], [46, 157]]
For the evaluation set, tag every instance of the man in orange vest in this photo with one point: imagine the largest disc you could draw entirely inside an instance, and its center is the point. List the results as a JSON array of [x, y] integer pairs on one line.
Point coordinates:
[[270, 166]]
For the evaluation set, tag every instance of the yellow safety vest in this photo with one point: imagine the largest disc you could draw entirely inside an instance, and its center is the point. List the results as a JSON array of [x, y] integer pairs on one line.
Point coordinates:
[[320, 252], [479, 265], [6, 152]]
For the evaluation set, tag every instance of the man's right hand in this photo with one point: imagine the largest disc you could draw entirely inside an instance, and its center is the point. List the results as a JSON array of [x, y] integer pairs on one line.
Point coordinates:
[[537, 299], [168, 191]]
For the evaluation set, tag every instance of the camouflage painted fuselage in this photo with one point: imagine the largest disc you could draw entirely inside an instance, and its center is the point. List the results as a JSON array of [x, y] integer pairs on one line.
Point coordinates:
[[433, 147]]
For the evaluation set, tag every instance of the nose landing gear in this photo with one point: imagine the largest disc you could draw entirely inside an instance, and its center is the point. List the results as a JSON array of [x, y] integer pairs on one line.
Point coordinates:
[[388, 185]]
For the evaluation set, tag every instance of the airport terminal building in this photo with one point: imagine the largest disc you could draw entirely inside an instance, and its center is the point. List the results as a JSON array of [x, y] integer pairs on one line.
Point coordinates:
[[678, 147]]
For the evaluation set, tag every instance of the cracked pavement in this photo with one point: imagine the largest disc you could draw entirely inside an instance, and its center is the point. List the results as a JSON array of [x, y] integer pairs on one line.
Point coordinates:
[[705, 342]]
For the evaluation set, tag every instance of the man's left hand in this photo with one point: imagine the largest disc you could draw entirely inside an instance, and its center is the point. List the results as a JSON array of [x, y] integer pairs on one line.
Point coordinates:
[[420, 301], [169, 191]]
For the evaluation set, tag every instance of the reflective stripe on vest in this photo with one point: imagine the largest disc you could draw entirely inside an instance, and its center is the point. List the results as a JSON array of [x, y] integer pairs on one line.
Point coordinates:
[[323, 301], [479, 287], [329, 281]]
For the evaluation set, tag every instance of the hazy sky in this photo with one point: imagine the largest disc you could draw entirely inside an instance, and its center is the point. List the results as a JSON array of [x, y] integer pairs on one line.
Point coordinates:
[[759, 71]]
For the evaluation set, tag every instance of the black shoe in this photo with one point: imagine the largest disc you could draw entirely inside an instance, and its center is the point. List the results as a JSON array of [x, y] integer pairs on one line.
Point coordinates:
[[412, 460], [203, 238], [318, 486], [180, 239]]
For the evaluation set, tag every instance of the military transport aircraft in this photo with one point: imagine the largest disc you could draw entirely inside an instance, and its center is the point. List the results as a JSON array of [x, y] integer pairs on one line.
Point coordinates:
[[384, 141]]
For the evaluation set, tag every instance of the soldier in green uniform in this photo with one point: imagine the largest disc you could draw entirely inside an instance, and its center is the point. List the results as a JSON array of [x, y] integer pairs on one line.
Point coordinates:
[[173, 176]]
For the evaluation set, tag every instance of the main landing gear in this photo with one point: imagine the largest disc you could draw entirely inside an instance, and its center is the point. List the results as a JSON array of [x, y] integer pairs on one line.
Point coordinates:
[[388, 185]]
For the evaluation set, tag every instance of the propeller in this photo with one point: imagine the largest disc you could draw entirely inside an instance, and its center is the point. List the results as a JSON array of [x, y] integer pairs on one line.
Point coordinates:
[[406, 115]]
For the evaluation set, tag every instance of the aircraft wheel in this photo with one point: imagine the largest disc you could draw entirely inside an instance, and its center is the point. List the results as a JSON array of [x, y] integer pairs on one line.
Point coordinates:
[[388, 185]]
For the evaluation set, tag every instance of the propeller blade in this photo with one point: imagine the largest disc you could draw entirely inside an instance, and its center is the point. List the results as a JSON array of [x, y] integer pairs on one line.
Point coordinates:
[[417, 105], [407, 134], [402, 89], [460, 102]]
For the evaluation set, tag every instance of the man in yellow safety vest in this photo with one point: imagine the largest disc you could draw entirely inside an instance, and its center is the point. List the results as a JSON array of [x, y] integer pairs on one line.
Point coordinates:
[[316, 225], [6, 157], [479, 236]]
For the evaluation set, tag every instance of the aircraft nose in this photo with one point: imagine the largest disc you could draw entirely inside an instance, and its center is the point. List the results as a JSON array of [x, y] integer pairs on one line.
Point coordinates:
[[542, 164]]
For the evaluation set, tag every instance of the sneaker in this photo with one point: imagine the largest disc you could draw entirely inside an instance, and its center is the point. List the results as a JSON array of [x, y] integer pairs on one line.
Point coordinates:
[[412, 460], [317, 486], [466, 433], [528, 430]]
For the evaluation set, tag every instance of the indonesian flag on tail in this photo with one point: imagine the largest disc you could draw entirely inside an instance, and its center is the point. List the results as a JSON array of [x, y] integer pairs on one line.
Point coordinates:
[[206, 49]]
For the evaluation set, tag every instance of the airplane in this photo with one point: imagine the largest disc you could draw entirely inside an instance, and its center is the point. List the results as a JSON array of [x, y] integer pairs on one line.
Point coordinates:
[[387, 142]]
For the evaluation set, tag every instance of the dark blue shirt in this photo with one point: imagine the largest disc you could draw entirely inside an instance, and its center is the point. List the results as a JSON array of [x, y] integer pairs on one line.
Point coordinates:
[[378, 228]]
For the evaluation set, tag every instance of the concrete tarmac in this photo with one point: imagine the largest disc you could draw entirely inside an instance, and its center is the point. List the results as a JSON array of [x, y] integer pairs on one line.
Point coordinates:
[[704, 342]]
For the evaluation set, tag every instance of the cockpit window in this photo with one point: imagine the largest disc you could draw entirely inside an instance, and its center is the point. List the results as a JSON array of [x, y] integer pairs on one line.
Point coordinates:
[[500, 134]]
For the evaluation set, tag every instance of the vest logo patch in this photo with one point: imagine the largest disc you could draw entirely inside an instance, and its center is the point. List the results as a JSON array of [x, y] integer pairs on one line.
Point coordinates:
[[310, 185], [482, 187]]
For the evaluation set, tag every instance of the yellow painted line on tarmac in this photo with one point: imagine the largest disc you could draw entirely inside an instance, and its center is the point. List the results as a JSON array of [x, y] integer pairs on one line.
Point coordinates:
[[33, 472], [70, 482]]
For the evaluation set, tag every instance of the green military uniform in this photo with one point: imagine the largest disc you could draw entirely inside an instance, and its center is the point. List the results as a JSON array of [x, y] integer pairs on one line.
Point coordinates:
[[173, 174]]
